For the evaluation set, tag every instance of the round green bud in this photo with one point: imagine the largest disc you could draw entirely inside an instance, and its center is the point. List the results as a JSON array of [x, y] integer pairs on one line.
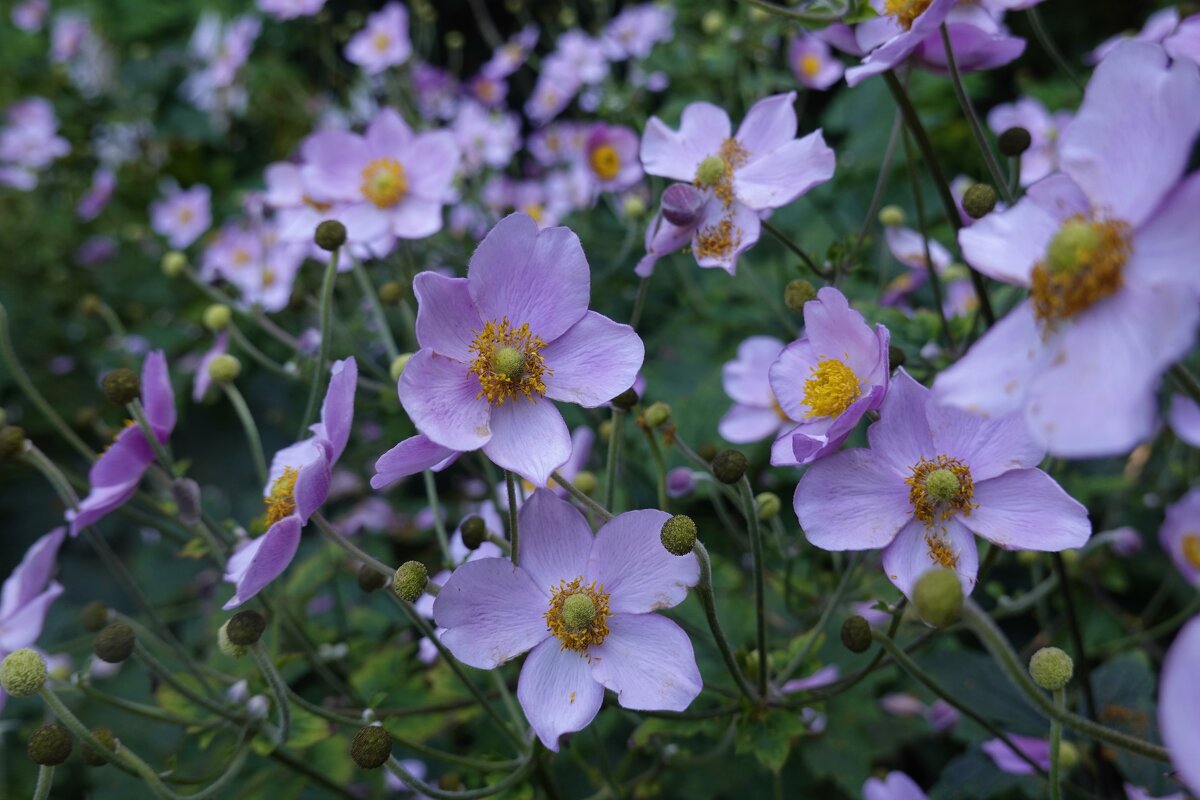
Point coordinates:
[[93, 757], [174, 263], [626, 400], [979, 200], [634, 206], [217, 317], [224, 368], [474, 531], [578, 611], [225, 645], [942, 485], [1068, 755], [856, 634], [94, 616], [391, 292], [121, 386], [938, 597], [1051, 668], [768, 504], [371, 747], [370, 579], [1072, 247], [50, 745], [678, 535], [455, 39], [90, 304], [896, 356], [12, 442], [23, 672], [398, 365], [114, 643], [509, 362], [729, 466], [707, 451], [712, 21], [604, 429], [330, 235], [450, 782], [1015, 141], [585, 481], [246, 627], [410, 581], [710, 171], [657, 414], [798, 292], [891, 216], [3, 417]]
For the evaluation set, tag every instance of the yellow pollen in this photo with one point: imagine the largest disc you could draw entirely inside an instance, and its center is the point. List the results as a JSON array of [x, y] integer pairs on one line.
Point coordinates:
[[534, 210], [928, 509], [240, 257], [1191, 548], [268, 278], [732, 156], [606, 163], [185, 215], [316, 204], [940, 551], [830, 389], [719, 240], [498, 381], [906, 11], [810, 65], [591, 634], [281, 502], [384, 182], [1066, 283], [381, 42]]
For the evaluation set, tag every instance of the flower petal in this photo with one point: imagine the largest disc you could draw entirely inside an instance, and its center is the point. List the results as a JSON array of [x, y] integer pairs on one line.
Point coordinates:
[[744, 424], [447, 321], [30, 577], [628, 559], [492, 612], [529, 438], [557, 692], [901, 436], [989, 447], [918, 549], [157, 395], [1179, 704], [443, 399], [769, 124], [851, 501], [1026, 509], [703, 128], [414, 454], [555, 540], [778, 177], [1163, 247], [22, 628], [593, 362], [1184, 418], [337, 410], [745, 378], [648, 661], [262, 560]]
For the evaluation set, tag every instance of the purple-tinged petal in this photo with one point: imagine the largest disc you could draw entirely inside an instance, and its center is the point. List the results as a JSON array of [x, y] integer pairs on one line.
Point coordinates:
[[1180, 535], [388, 134], [444, 401], [32, 574], [1026, 509], [23, 628], [745, 377], [447, 321], [822, 677], [555, 540], [648, 661], [769, 124], [1184, 418], [414, 454], [101, 500], [918, 549], [836, 330], [333, 164], [899, 47], [594, 361], [990, 447], [901, 437], [310, 459], [818, 439], [529, 438], [1009, 761], [780, 176], [364, 221], [715, 246], [530, 276], [262, 560], [1179, 704], [744, 424], [628, 559], [703, 128], [337, 410], [557, 692], [1164, 247], [492, 611], [203, 380], [662, 238], [157, 395], [416, 218], [894, 786], [851, 501]]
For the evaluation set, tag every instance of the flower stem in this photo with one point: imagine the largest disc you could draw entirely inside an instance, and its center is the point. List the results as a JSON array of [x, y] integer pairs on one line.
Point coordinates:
[[439, 525], [372, 298], [584, 500], [1039, 33], [614, 452], [756, 551], [160, 670], [326, 313], [935, 280], [279, 690], [639, 303], [1060, 703], [512, 516], [44, 781], [708, 600], [660, 468], [791, 13], [1186, 380], [256, 316], [341, 541], [815, 635], [418, 785], [787, 242], [1081, 659], [253, 440], [258, 356]]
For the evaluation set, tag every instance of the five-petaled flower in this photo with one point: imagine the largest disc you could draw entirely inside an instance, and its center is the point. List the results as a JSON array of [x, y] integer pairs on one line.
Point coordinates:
[[27, 596]]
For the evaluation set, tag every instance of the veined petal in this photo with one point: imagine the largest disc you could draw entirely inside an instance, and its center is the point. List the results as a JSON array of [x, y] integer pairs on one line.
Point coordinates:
[[918, 549], [628, 559], [492, 611], [648, 661], [557, 692]]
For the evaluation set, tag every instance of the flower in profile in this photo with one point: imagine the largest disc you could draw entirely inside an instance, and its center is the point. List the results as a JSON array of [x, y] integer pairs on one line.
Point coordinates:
[[1045, 128], [1180, 535], [383, 42], [297, 487], [908, 247], [734, 177], [1008, 760], [1179, 703], [1184, 418], [182, 215], [104, 181], [202, 381], [610, 157], [755, 413], [114, 477], [387, 181], [813, 62], [893, 786], [1106, 250], [1159, 26], [498, 346], [828, 379], [583, 605], [290, 9], [933, 477], [509, 57], [27, 596]]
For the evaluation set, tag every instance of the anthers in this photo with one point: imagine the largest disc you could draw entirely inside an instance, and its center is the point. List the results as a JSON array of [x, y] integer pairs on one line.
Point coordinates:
[[831, 388], [508, 362], [1083, 265], [281, 502], [933, 503], [565, 615]]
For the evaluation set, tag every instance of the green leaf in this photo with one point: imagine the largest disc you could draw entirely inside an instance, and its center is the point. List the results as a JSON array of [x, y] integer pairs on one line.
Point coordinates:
[[768, 736]]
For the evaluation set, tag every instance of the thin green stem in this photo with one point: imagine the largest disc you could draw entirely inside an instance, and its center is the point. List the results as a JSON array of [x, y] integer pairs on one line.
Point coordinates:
[[258, 356], [1186, 380], [439, 525], [513, 532], [815, 635], [889, 154], [968, 109], [614, 454], [419, 785], [799, 251], [792, 13], [1060, 702], [1154, 631], [44, 781], [708, 599], [756, 551], [279, 690], [660, 468], [326, 317], [111, 319], [141, 709], [249, 427], [584, 500], [372, 297], [1081, 658], [1039, 33], [935, 280], [341, 541], [639, 303], [254, 315]]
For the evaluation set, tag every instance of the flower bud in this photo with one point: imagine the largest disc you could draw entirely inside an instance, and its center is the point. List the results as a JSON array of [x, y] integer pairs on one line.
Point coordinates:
[[370, 579], [450, 782], [474, 531], [224, 368], [371, 747], [225, 645], [896, 356], [398, 365], [604, 429], [856, 634], [1068, 755], [979, 200], [114, 643], [217, 317], [23, 672], [729, 466], [12, 442], [712, 21], [585, 481], [626, 399], [174, 263], [1015, 141], [121, 386], [91, 756], [330, 235], [245, 627], [1051, 668], [657, 414], [257, 707], [891, 216], [768, 504], [186, 494], [391, 292], [94, 616], [50, 745], [938, 597], [634, 206], [680, 482], [410, 581], [798, 292], [706, 450], [90, 304], [454, 39], [678, 535], [683, 204]]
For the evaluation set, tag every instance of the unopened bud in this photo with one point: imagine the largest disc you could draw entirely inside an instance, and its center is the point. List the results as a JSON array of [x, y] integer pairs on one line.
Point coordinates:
[[370, 579], [626, 399], [217, 317], [398, 365], [657, 414], [258, 707], [634, 206], [683, 204], [114, 643], [768, 504], [246, 627], [729, 466], [90, 304], [678, 535], [121, 386], [938, 597], [798, 292], [1015, 141], [585, 481], [454, 39], [224, 368], [50, 745], [371, 747], [174, 263], [1051, 668], [979, 200], [93, 757], [12, 442], [891, 216], [23, 672], [225, 645], [391, 292], [410, 581], [474, 532], [330, 235], [707, 451], [94, 616], [856, 634]]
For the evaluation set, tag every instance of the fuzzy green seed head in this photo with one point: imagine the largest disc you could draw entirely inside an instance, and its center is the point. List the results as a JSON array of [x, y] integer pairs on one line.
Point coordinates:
[[114, 643], [94, 616], [174, 263], [578, 612], [509, 362], [1015, 141], [678, 535], [856, 634], [50, 745], [938, 597], [94, 758], [371, 747], [942, 485], [1073, 247], [246, 627], [657, 414], [217, 317], [891, 216], [979, 200], [729, 466], [768, 504], [121, 386], [711, 170], [1051, 668], [330, 235], [224, 368], [1068, 755], [410, 581], [474, 531], [23, 672], [586, 481], [798, 292], [12, 442], [398, 365]]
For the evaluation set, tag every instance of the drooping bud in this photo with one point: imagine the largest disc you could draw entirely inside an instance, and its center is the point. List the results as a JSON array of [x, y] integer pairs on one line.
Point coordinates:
[[768, 504], [410, 581], [398, 365], [626, 400], [114, 643], [1015, 141], [217, 317], [856, 634], [370, 579], [186, 494], [174, 263], [1051, 668], [891, 216], [578, 611], [711, 170], [12, 442], [896, 356], [979, 200], [330, 235], [798, 292], [729, 466], [657, 414], [94, 616], [474, 531], [585, 481], [121, 386], [678, 535], [938, 597], [225, 645], [50, 745], [371, 747], [246, 627], [391, 292], [23, 672], [224, 368], [93, 757], [683, 204]]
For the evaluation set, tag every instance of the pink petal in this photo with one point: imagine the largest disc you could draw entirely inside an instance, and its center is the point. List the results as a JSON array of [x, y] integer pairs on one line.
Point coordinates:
[[447, 321], [628, 559], [557, 692], [593, 362], [1179, 704], [901, 436], [414, 454], [555, 540], [911, 555], [769, 124], [1026, 509], [492, 612], [262, 560], [851, 501], [989, 447], [703, 128], [528, 438], [443, 400], [780, 176], [648, 661]]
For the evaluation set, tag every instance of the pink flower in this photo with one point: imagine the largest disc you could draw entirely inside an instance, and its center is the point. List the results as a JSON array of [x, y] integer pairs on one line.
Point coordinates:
[[1180, 535], [182, 215], [383, 42]]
